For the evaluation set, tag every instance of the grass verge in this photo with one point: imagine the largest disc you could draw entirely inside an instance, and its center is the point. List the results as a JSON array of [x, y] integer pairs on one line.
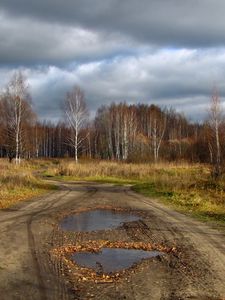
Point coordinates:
[[194, 202]]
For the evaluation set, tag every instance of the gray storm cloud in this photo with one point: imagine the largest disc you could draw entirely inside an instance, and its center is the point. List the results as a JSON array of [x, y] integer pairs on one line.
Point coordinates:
[[191, 23], [163, 52], [27, 41], [56, 32]]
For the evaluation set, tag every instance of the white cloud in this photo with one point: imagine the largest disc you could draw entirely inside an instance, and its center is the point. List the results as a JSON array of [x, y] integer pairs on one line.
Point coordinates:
[[183, 79]]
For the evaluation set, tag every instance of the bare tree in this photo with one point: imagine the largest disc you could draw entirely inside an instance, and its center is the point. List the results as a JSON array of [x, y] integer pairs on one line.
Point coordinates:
[[214, 122], [76, 113], [17, 112], [159, 121]]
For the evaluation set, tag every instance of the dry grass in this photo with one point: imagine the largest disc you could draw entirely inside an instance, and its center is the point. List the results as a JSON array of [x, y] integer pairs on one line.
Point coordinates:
[[104, 169], [18, 182]]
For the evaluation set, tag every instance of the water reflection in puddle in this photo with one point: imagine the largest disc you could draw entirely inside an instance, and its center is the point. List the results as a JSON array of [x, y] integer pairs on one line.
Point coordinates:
[[99, 219], [111, 260]]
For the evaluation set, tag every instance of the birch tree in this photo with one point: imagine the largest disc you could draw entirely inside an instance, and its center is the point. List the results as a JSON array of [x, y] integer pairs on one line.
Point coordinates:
[[215, 122], [159, 121], [17, 111], [76, 114], [128, 130]]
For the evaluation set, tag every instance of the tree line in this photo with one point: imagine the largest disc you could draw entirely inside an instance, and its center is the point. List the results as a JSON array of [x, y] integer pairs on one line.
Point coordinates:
[[124, 132]]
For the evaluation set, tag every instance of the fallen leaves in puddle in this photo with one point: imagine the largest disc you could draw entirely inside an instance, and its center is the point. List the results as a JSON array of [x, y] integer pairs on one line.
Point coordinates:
[[86, 274]]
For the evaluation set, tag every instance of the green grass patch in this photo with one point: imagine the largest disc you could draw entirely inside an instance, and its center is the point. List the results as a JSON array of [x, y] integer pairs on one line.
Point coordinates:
[[151, 190], [113, 180]]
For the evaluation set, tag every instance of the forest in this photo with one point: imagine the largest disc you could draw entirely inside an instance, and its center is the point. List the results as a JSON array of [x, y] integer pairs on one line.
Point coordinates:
[[119, 131]]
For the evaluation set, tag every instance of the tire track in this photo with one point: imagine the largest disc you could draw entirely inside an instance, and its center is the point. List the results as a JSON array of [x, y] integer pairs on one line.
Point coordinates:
[[34, 250]]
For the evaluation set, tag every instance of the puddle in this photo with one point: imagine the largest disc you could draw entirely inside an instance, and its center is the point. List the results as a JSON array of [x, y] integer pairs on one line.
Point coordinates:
[[99, 219], [111, 260]]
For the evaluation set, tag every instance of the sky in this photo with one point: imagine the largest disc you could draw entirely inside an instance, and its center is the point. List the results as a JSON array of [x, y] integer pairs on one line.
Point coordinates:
[[166, 52]]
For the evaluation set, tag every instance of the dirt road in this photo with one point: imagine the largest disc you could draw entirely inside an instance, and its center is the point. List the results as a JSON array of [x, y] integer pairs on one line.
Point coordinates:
[[29, 231]]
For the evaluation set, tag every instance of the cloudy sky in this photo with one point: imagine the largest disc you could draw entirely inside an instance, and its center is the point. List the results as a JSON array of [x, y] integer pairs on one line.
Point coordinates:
[[166, 52]]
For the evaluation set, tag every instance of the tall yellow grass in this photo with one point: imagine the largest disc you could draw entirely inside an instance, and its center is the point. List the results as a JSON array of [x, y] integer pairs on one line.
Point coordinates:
[[182, 174], [122, 170], [18, 182]]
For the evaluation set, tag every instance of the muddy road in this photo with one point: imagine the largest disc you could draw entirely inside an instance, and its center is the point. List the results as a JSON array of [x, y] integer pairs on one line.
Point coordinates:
[[29, 232]]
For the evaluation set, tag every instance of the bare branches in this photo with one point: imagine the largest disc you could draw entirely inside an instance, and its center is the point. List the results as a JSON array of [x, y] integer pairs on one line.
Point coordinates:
[[76, 114], [16, 113]]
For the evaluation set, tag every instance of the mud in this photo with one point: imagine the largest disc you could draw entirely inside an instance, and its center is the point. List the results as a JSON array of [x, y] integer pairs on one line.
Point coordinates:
[[29, 232]]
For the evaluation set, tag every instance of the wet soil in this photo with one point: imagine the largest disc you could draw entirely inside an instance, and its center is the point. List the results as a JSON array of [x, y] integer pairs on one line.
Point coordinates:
[[29, 233]]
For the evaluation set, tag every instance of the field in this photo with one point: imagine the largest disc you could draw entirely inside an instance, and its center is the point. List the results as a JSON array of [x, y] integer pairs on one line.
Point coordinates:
[[186, 187]]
